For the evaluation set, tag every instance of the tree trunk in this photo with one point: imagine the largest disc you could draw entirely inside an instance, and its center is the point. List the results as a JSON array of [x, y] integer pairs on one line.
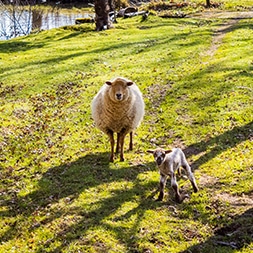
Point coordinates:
[[102, 9], [208, 3]]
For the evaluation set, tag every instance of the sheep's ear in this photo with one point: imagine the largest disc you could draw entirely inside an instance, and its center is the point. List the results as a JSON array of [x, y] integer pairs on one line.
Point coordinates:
[[168, 151], [108, 82], [129, 83], [150, 151]]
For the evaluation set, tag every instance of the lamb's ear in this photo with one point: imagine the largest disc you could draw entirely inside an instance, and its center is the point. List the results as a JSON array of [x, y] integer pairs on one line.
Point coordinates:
[[150, 151], [129, 83], [168, 151], [108, 82]]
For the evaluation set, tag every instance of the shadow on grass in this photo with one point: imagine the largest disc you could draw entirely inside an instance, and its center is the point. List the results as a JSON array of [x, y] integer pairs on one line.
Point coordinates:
[[134, 47], [220, 143], [230, 237], [60, 186], [237, 233], [64, 184], [12, 46]]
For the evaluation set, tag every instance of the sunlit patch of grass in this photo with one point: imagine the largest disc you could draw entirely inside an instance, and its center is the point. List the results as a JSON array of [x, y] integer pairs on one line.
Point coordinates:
[[60, 193]]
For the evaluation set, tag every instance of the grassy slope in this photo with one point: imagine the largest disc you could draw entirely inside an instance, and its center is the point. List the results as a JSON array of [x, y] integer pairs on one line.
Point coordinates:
[[60, 194], [227, 4]]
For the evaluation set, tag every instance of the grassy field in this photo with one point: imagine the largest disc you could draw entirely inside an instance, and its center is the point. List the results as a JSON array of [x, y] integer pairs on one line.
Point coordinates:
[[59, 193], [227, 4]]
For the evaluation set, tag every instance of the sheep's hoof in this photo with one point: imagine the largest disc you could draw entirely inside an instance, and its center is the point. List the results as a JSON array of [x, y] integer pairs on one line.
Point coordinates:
[[196, 189], [122, 159], [160, 197]]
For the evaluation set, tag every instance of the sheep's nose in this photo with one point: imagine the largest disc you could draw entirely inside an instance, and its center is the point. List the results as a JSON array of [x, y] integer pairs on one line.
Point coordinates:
[[118, 96]]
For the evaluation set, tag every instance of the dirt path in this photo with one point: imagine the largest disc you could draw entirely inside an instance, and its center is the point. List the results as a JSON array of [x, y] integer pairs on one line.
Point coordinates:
[[230, 19], [224, 14], [219, 34]]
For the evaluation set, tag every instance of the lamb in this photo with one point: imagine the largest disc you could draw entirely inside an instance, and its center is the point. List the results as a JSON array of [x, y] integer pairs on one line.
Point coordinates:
[[168, 162], [118, 108]]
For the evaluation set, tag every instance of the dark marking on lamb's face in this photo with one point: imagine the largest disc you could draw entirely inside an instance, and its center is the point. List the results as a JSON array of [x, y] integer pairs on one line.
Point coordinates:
[[159, 155]]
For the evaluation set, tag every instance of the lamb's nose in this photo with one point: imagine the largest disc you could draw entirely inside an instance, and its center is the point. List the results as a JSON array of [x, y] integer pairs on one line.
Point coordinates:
[[159, 161]]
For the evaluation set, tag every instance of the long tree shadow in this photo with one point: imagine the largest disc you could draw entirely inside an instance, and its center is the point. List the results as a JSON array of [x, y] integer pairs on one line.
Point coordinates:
[[220, 143], [13, 46], [238, 233], [98, 219], [230, 237], [66, 183]]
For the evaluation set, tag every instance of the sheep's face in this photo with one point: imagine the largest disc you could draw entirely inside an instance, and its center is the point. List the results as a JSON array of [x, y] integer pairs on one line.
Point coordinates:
[[159, 155], [119, 90]]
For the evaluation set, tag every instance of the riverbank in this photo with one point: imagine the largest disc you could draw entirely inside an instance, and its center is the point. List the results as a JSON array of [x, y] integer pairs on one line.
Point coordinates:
[[23, 20]]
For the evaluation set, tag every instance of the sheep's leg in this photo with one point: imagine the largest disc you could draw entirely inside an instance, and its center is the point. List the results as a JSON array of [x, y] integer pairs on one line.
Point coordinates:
[[131, 141], [175, 187], [163, 180], [190, 176], [118, 144], [122, 135], [110, 134]]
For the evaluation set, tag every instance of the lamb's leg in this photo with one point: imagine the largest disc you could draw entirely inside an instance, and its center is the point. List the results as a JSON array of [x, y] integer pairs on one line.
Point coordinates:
[[131, 141], [190, 176], [163, 180], [179, 172], [175, 188], [110, 134]]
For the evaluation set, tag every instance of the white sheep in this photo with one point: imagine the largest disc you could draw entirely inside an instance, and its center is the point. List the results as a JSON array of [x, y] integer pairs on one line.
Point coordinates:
[[118, 108], [168, 162]]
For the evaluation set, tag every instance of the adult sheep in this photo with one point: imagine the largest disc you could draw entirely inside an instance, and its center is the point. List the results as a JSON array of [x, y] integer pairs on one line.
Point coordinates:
[[118, 108]]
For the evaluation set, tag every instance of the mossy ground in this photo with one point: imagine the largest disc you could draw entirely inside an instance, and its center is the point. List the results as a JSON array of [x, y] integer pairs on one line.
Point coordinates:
[[59, 193]]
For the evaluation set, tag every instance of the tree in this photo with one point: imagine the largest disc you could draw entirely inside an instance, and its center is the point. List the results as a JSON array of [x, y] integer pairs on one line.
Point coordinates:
[[102, 9], [16, 19], [208, 3]]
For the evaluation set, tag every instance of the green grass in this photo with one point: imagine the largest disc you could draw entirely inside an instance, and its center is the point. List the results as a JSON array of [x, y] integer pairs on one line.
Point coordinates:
[[227, 4], [59, 193], [177, 7]]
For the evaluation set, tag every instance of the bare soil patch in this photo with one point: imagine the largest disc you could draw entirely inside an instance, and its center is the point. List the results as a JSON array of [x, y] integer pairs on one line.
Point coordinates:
[[230, 19], [245, 200], [219, 35], [224, 14]]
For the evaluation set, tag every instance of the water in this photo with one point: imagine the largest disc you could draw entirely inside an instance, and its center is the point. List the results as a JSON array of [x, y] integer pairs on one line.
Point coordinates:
[[16, 22]]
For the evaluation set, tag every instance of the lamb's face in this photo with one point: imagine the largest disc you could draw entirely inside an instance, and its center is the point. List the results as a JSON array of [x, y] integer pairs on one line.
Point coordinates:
[[119, 89], [159, 155]]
